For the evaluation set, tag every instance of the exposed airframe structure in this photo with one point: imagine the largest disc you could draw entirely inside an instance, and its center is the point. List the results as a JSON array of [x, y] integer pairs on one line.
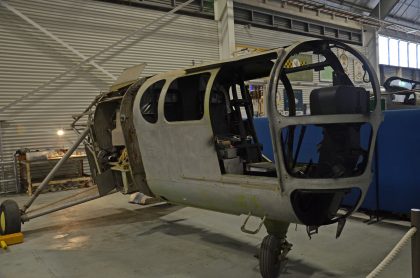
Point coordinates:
[[187, 137]]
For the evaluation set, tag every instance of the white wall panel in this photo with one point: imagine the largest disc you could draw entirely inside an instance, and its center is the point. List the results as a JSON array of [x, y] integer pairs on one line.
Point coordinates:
[[28, 58]]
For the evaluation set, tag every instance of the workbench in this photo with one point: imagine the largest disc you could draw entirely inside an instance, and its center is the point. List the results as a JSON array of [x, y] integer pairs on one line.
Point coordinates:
[[30, 182]]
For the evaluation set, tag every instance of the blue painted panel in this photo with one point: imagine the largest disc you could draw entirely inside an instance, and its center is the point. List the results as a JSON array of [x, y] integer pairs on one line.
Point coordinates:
[[398, 158], [399, 161], [264, 137], [308, 150]]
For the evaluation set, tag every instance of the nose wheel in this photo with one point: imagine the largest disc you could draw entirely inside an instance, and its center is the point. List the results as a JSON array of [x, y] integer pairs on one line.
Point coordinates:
[[10, 221], [273, 252]]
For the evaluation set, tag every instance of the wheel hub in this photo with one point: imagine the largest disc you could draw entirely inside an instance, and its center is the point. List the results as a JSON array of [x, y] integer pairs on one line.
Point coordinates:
[[2, 221]]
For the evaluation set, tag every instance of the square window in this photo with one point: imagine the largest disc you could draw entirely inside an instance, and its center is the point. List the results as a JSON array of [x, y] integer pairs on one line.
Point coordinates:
[[393, 52], [403, 51], [184, 99], [412, 55], [383, 50], [418, 56], [149, 101]]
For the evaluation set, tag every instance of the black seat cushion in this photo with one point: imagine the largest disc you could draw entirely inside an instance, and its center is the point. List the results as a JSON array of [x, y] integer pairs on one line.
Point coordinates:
[[340, 99]]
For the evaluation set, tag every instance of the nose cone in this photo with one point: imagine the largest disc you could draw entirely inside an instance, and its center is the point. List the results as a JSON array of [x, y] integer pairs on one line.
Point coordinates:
[[320, 207]]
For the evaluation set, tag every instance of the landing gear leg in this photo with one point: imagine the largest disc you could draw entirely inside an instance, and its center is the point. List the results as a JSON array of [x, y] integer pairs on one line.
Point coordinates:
[[274, 248]]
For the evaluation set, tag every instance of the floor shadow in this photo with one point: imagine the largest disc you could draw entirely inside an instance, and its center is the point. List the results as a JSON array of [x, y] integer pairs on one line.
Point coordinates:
[[300, 268], [291, 268], [176, 228], [125, 216]]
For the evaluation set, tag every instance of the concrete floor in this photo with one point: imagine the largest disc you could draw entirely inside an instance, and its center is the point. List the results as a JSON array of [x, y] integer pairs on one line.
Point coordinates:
[[109, 237]]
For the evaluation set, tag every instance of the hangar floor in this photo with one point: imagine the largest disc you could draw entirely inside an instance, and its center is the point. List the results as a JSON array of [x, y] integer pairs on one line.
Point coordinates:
[[109, 237]]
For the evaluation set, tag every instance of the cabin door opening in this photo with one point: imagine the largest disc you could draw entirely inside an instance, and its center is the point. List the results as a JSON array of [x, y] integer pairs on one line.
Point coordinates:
[[231, 111]]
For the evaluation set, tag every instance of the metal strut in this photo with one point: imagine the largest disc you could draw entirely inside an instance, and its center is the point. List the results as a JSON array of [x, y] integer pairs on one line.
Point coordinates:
[[29, 216], [52, 173]]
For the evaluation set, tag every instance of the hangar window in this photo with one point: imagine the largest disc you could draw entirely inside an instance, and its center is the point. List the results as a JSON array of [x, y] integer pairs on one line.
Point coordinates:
[[149, 101], [403, 52], [393, 52], [418, 56], [412, 55], [398, 53], [184, 100], [383, 50]]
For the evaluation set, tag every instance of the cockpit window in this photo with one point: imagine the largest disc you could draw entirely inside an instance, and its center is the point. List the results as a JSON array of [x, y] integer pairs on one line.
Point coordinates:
[[184, 100], [149, 101], [326, 150], [339, 82]]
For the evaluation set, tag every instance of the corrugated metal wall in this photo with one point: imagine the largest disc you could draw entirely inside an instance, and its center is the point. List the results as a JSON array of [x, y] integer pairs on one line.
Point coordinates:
[[265, 38], [28, 58]]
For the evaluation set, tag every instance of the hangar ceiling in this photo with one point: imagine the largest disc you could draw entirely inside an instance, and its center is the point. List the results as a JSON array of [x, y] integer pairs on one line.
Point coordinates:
[[399, 11], [389, 15], [396, 15]]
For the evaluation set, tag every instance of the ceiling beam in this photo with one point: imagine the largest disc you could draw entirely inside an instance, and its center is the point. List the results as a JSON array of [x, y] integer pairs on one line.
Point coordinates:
[[351, 5], [415, 25], [383, 8]]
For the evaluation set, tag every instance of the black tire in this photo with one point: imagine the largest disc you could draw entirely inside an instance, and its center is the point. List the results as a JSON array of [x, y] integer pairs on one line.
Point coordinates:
[[269, 257], [10, 221]]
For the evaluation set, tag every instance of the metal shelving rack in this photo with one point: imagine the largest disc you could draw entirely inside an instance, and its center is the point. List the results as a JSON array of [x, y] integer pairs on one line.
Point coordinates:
[[7, 176], [6, 180]]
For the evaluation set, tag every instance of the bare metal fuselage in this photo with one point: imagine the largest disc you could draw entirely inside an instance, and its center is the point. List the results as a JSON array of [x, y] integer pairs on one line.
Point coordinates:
[[175, 158]]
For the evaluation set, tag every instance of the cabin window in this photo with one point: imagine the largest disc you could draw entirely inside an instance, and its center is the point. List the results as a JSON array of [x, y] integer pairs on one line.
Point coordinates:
[[149, 101], [337, 150], [338, 91], [184, 100]]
